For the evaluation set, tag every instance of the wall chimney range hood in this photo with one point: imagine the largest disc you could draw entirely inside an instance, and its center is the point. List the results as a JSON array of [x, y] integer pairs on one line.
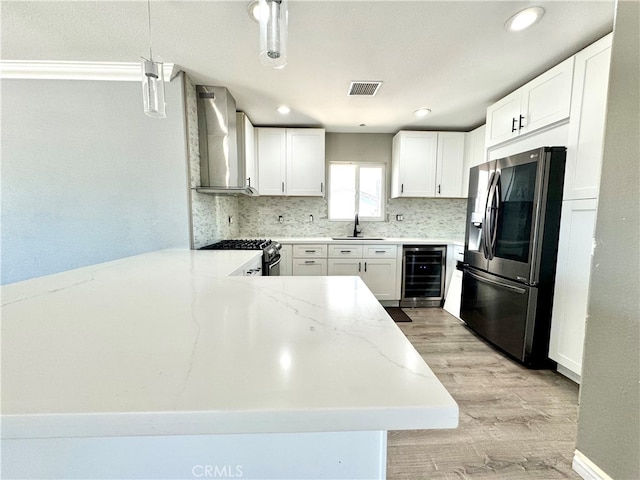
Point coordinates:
[[222, 170]]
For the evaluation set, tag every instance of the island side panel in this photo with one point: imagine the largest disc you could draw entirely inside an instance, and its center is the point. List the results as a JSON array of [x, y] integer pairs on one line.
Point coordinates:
[[326, 455]]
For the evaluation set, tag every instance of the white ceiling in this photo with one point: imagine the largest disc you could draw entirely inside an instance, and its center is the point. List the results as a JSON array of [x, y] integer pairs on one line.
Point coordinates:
[[453, 57]]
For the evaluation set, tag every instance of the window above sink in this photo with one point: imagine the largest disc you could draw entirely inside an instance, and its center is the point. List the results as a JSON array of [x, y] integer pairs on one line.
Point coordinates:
[[356, 188]]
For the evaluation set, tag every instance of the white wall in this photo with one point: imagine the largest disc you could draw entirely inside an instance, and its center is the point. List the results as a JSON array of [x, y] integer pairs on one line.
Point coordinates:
[[87, 177]]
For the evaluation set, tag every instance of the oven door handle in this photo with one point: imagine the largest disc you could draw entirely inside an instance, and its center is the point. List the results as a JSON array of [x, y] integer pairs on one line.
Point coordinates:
[[277, 262]]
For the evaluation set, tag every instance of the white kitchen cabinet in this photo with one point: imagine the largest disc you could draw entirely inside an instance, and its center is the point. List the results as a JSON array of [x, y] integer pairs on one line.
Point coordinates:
[[571, 293], [543, 101], [309, 267], [286, 265], [587, 123], [351, 267], [247, 149], [272, 160], [475, 153], [449, 164], [291, 161], [375, 264], [380, 276], [427, 164], [414, 164], [309, 260]]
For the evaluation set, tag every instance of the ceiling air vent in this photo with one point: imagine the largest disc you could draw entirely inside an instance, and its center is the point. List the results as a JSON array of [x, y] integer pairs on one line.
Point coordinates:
[[368, 89]]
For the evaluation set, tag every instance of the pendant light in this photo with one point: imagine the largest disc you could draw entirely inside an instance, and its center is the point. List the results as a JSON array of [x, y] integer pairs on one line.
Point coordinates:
[[152, 81], [273, 20]]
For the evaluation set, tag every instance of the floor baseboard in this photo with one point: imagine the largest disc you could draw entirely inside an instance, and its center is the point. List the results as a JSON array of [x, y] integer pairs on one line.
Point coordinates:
[[587, 469]]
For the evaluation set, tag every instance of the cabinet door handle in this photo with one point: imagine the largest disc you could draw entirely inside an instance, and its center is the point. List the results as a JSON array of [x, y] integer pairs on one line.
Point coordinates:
[[309, 261], [365, 267], [520, 124], [402, 188], [282, 187], [345, 251], [321, 187], [438, 189], [309, 251], [513, 125], [249, 181], [381, 251], [359, 267]]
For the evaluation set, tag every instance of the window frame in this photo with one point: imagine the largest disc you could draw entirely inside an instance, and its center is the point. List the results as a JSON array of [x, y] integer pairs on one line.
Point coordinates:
[[383, 191]]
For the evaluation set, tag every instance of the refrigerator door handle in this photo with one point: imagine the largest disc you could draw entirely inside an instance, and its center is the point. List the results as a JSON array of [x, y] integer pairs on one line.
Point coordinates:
[[494, 215], [486, 230], [506, 286], [487, 226]]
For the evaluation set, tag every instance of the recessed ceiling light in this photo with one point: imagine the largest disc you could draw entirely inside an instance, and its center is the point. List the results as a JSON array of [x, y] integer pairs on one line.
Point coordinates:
[[524, 19], [283, 110], [422, 112]]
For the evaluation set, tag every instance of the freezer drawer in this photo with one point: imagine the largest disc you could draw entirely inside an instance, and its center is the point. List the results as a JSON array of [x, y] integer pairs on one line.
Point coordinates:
[[504, 313]]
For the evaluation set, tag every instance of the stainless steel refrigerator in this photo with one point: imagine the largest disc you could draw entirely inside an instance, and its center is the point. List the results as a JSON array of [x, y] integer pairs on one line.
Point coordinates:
[[511, 244]]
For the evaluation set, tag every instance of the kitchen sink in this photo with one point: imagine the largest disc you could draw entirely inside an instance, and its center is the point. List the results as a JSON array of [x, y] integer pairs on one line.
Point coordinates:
[[355, 238]]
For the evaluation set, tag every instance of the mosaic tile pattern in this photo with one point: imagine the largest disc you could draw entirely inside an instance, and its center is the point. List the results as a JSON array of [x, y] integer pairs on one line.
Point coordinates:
[[423, 217], [209, 213]]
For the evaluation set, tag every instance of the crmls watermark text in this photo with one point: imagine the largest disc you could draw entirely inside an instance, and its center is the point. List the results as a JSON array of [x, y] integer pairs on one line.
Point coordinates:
[[217, 471]]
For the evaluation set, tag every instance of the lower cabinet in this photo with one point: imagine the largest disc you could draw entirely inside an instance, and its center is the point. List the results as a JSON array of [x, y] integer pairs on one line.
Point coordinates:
[[375, 264], [305, 267], [286, 265], [309, 260], [573, 272]]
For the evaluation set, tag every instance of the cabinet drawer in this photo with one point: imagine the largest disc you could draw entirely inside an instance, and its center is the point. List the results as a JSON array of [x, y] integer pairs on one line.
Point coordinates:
[[380, 251], [340, 251], [304, 251], [310, 267]]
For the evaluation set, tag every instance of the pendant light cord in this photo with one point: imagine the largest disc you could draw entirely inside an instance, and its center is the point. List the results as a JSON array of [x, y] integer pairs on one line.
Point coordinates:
[[149, 14]]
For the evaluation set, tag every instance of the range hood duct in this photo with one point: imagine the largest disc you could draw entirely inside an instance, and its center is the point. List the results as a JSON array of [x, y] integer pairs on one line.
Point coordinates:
[[222, 170]]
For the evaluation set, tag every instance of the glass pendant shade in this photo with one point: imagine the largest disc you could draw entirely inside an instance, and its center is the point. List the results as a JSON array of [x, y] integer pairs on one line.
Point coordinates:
[[273, 32], [153, 88]]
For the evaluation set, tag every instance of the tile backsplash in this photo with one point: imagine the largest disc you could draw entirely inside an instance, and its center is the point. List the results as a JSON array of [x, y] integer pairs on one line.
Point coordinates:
[[423, 217], [258, 217]]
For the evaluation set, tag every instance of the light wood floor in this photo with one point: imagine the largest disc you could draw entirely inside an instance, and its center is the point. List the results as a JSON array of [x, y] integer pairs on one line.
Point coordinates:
[[515, 423]]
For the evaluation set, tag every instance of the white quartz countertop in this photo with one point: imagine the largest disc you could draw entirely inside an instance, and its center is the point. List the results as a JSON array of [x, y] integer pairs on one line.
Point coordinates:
[[163, 344], [365, 240]]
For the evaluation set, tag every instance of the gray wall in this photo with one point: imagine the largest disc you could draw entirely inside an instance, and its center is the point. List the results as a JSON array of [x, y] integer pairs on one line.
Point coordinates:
[[609, 421], [87, 177]]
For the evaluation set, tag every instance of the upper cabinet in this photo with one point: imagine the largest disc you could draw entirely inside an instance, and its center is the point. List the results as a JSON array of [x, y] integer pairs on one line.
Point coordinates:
[[247, 149], [427, 164], [542, 102], [449, 164], [586, 127], [474, 154], [291, 161]]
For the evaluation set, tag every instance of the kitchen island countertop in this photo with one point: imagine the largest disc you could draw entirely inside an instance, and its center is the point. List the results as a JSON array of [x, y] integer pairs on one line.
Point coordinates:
[[164, 344]]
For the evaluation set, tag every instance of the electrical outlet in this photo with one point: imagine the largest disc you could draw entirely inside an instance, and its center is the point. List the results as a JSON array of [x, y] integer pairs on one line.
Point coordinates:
[[280, 218], [400, 217], [311, 218]]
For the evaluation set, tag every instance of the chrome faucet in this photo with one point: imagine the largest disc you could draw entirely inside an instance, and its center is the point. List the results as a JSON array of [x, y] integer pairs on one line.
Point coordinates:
[[356, 226]]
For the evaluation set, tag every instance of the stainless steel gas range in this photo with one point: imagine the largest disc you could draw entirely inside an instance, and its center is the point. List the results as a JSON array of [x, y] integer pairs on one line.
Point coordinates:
[[270, 252]]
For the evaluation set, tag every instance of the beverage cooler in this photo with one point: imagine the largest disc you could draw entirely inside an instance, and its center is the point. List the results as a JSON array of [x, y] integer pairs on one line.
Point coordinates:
[[423, 275]]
